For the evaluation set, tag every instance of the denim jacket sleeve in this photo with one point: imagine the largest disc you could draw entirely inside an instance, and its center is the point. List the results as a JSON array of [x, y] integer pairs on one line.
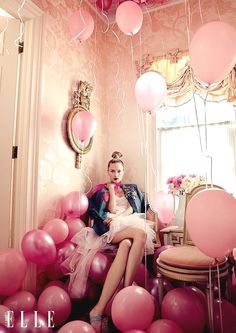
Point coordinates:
[[98, 211]]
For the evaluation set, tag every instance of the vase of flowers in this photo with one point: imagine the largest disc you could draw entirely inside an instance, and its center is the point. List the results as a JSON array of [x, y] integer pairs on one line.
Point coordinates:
[[179, 186]]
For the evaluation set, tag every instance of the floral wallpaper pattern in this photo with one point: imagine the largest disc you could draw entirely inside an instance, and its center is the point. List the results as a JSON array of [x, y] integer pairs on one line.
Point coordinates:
[[107, 61]]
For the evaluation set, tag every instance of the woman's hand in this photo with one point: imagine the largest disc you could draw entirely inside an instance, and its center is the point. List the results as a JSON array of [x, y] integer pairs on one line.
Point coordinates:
[[110, 187], [107, 221]]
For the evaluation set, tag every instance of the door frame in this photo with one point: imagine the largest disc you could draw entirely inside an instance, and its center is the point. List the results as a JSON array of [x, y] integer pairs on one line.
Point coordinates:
[[25, 182]]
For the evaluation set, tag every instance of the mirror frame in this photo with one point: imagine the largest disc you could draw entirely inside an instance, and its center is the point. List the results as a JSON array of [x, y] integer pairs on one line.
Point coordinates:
[[81, 102]]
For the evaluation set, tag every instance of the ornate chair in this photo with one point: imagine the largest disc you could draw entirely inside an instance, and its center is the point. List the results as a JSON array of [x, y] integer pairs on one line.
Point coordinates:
[[188, 264]]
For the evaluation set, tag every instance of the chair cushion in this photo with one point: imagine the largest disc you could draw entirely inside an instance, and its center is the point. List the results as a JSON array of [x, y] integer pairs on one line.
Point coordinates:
[[188, 256]]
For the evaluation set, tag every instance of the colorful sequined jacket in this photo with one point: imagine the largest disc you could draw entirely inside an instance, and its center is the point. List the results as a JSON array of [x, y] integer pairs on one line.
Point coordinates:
[[99, 199]]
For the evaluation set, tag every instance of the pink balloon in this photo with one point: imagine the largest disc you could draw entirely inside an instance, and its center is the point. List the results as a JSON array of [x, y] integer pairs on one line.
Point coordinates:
[[185, 308], [141, 275], [134, 331], [99, 267], [132, 308], [57, 229], [20, 301], [129, 17], [4, 329], [75, 204], [29, 321], [76, 326], [55, 299], [38, 247], [13, 268], [163, 203], [104, 5], [164, 326], [56, 283], [74, 225], [83, 125], [81, 25], [150, 91], [228, 316], [210, 215], [153, 286], [212, 51], [3, 314]]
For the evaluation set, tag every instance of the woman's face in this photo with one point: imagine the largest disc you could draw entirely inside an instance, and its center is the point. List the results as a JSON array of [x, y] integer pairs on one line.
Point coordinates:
[[115, 172]]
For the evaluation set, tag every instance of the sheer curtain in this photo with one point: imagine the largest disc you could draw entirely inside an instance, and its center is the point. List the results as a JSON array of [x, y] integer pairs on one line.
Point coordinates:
[[179, 152]]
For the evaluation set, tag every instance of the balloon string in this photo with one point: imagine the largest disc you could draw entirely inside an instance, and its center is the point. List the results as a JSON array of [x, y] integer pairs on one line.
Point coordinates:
[[200, 10], [81, 16], [2, 33], [218, 12], [187, 15], [107, 22], [18, 40], [220, 300]]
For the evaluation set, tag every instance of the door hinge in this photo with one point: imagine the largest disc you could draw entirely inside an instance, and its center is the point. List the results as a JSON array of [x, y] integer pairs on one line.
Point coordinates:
[[14, 152], [20, 47]]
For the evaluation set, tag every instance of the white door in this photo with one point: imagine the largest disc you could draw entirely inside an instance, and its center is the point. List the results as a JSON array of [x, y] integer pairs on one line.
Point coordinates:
[[8, 92]]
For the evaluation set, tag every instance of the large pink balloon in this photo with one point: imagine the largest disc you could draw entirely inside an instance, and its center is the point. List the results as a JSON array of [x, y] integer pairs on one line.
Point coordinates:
[[81, 25], [74, 204], [55, 299], [211, 215], [212, 51], [132, 308], [163, 203], [83, 125], [57, 229], [150, 91], [74, 225], [76, 326], [22, 300], [164, 326], [13, 268], [38, 247], [129, 17], [185, 308], [29, 320]]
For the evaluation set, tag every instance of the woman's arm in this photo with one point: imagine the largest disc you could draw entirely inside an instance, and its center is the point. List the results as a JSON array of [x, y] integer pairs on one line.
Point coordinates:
[[112, 201]]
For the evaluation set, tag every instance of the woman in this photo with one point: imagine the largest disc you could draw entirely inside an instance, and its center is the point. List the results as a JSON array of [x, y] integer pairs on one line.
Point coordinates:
[[118, 217]]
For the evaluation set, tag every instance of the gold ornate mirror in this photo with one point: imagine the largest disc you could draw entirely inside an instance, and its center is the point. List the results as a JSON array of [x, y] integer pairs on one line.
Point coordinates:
[[81, 103]]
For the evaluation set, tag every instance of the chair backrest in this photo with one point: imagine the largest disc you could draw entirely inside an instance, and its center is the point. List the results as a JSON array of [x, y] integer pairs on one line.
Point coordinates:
[[195, 190]]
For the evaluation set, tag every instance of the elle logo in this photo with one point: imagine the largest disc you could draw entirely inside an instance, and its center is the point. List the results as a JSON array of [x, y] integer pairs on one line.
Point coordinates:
[[9, 319]]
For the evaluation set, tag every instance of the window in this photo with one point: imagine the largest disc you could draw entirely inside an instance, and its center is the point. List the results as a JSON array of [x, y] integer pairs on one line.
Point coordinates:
[[182, 142]]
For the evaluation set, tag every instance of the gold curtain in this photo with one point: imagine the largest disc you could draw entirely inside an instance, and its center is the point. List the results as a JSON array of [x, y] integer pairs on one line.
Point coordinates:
[[181, 83]]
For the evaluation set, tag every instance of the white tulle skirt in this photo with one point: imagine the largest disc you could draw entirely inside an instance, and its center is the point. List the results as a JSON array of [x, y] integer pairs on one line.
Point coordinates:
[[77, 265]]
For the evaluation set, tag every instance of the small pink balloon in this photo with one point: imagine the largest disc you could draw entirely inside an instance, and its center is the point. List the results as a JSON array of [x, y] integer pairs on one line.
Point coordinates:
[[104, 5], [57, 229], [150, 91], [210, 215], [21, 301], [74, 204], [81, 25], [13, 267], [163, 203], [164, 326], [31, 321], [4, 329], [3, 314], [74, 225], [212, 51], [83, 125], [56, 283], [132, 308], [141, 275], [76, 326], [129, 17], [38, 247], [55, 299], [134, 331], [99, 267]]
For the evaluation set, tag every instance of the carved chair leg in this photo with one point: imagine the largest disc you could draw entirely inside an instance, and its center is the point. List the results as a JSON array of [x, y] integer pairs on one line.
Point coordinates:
[[209, 295]]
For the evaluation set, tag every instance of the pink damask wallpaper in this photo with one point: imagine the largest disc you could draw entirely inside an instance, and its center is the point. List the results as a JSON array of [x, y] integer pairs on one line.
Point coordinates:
[[106, 60]]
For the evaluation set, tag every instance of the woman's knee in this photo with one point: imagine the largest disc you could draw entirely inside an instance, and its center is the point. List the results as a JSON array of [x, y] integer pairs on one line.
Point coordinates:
[[140, 236], [125, 244]]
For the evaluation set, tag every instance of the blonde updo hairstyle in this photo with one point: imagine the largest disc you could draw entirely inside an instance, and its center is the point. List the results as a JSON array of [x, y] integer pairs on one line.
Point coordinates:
[[116, 158]]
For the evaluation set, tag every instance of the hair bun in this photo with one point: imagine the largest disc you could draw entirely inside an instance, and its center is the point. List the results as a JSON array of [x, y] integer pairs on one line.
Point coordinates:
[[116, 155]]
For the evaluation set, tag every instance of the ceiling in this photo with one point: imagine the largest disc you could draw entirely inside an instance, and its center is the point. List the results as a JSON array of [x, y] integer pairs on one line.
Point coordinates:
[[146, 5]]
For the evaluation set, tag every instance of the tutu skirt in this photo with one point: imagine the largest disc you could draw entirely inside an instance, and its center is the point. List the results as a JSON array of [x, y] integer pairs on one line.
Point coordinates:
[[77, 265]]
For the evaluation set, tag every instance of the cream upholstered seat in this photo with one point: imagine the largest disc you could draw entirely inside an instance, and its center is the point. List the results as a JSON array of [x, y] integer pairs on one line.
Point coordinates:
[[188, 264]]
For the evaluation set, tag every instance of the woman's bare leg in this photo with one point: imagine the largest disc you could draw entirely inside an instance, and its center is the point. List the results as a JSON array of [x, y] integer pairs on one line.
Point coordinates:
[[114, 276], [136, 252]]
